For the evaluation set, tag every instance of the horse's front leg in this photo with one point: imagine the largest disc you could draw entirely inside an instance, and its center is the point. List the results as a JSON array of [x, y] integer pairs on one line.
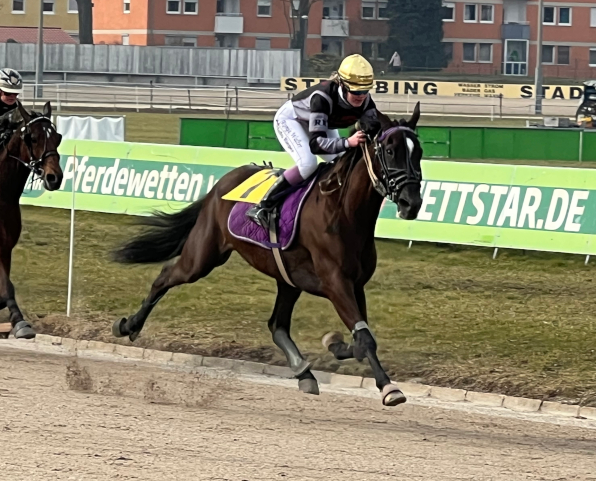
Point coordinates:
[[20, 327], [342, 293]]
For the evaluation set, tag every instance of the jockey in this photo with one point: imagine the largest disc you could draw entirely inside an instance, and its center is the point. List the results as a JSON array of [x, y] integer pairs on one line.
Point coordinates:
[[11, 85], [306, 126]]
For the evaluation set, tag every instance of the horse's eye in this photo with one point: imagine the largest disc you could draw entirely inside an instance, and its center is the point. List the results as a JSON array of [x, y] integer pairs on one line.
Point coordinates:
[[389, 152]]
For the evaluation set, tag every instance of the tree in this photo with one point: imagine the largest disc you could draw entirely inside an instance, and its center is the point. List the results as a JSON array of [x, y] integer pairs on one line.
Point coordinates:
[[416, 32], [85, 21], [298, 22]]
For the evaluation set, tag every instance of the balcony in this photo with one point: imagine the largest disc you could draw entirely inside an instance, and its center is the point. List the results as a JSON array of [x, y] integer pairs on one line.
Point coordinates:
[[229, 23], [335, 27], [515, 31]]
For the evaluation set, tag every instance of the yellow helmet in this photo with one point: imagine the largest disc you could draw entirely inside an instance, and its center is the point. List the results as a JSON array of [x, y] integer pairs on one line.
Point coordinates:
[[356, 73]]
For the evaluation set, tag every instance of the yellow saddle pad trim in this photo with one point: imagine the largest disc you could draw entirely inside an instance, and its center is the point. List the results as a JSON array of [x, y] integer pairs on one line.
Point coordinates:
[[253, 189]]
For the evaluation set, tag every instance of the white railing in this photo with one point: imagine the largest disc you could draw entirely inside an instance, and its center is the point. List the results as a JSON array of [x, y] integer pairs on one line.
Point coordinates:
[[116, 97]]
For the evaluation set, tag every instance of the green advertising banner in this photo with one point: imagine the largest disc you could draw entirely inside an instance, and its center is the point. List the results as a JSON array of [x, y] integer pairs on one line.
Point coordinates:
[[506, 206]]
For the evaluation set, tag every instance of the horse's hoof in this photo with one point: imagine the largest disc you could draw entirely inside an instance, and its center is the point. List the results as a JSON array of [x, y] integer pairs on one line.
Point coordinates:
[[133, 336], [23, 330], [301, 368], [117, 327], [392, 396], [309, 386], [332, 338]]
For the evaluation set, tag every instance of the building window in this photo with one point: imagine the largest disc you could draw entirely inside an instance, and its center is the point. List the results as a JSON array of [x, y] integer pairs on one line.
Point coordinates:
[[125, 39], [178, 41], [469, 52], [487, 13], [549, 16], [449, 12], [126, 6], [563, 55], [173, 6], [18, 6], [593, 17], [73, 6], [564, 16], [368, 9], [470, 13], [383, 11], [448, 46], [263, 44], [485, 52], [383, 51], [295, 6], [191, 7], [264, 8], [367, 50], [548, 54], [48, 6], [592, 57]]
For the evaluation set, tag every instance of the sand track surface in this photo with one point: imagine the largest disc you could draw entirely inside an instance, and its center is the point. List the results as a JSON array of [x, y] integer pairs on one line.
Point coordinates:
[[76, 419]]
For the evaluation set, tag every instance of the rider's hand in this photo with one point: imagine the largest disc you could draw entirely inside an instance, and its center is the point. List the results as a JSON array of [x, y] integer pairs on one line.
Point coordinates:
[[358, 138]]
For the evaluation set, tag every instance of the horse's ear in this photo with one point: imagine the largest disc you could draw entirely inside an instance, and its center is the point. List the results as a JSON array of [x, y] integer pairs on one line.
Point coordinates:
[[23, 112], [47, 109], [415, 117]]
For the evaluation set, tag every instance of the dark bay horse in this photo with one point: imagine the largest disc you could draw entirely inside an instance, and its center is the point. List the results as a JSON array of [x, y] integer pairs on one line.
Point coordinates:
[[32, 148], [333, 256]]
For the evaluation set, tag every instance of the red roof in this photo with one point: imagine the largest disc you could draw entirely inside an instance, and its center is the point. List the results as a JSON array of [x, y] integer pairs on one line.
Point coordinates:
[[29, 35]]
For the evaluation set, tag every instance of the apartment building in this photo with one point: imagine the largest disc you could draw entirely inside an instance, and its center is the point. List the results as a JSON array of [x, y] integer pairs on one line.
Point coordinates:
[[25, 13], [500, 37], [337, 26]]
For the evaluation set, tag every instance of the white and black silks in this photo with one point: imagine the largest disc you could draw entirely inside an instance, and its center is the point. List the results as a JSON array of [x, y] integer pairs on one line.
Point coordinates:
[[307, 125]]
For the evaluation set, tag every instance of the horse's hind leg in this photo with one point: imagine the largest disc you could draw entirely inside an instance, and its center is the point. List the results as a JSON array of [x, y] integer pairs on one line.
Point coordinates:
[[199, 257], [279, 325]]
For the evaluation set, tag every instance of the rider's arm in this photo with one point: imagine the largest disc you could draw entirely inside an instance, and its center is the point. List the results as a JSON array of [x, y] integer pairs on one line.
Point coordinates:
[[318, 127]]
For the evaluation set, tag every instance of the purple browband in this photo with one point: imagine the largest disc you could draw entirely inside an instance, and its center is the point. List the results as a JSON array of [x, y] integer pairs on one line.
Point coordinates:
[[388, 132]]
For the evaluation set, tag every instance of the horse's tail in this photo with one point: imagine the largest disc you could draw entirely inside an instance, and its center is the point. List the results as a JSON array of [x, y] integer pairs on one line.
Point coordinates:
[[163, 240]]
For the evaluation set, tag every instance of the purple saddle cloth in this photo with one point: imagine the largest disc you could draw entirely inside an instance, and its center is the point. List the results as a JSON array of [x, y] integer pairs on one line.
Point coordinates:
[[245, 229]]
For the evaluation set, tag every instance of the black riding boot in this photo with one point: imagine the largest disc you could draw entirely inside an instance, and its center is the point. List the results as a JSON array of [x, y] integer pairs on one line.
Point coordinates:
[[259, 213]]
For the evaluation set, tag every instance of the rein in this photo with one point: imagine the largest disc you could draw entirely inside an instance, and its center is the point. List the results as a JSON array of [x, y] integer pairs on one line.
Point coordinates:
[[34, 165]]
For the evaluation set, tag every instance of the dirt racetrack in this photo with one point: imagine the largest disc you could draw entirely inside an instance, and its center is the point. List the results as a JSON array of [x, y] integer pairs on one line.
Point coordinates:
[[76, 419]]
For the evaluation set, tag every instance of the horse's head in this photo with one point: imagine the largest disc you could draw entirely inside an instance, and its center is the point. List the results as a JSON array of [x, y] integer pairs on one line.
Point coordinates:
[[40, 142], [398, 154]]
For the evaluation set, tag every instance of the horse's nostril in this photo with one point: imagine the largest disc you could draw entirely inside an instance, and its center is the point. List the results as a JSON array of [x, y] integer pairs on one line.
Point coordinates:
[[51, 178], [403, 204]]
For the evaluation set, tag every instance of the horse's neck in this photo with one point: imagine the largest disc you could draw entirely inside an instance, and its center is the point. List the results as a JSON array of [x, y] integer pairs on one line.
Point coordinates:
[[13, 175], [362, 203]]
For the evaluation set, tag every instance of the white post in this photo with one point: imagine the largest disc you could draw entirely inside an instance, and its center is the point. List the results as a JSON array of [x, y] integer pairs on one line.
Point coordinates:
[[496, 251], [410, 245], [72, 231], [492, 113], [581, 145], [587, 260]]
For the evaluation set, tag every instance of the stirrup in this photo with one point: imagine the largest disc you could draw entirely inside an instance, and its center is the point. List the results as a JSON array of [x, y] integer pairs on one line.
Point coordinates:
[[259, 215]]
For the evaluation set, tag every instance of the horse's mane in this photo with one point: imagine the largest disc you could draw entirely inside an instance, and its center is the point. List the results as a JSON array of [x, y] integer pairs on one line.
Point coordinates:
[[11, 121]]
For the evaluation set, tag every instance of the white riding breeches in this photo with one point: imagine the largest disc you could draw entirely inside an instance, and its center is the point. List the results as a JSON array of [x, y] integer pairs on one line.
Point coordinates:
[[294, 138]]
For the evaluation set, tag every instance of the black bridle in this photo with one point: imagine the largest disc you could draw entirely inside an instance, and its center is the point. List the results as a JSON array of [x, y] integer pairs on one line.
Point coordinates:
[[34, 164], [392, 179]]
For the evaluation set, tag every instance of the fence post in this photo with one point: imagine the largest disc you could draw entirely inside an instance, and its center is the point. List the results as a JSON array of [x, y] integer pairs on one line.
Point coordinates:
[[581, 145], [492, 113], [189, 101], [501, 105], [227, 95], [58, 101], [137, 96], [236, 89], [151, 94]]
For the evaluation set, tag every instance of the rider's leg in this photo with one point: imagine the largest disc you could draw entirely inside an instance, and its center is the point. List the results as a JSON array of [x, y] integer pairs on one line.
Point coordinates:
[[294, 139]]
